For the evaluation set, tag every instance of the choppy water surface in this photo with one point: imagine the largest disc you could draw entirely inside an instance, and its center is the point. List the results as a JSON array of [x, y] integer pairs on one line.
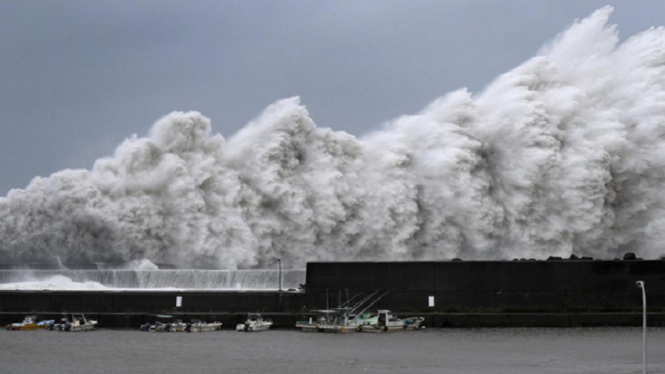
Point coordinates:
[[616, 350]]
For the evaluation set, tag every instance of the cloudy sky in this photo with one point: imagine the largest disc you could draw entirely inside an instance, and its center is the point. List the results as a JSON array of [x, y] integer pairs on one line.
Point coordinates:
[[78, 77]]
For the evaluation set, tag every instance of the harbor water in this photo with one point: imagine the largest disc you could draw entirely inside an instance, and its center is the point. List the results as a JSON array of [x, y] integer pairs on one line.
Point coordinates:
[[510, 351]]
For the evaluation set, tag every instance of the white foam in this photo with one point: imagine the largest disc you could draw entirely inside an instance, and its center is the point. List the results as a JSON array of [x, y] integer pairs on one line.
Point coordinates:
[[563, 154], [56, 282], [142, 280]]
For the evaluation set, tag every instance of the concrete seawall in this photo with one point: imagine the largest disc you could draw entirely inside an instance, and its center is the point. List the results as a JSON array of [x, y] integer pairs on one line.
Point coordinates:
[[560, 286], [449, 294], [150, 301]]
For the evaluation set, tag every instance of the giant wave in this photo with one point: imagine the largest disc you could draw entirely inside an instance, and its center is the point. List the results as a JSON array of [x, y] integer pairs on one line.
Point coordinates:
[[563, 155]]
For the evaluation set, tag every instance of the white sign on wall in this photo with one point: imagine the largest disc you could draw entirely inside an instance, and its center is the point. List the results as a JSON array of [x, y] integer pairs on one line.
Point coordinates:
[[178, 301], [431, 301]]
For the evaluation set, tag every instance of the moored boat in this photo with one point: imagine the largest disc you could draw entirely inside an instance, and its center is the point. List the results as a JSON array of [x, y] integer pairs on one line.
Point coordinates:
[[166, 323], [200, 326], [254, 322], [162, 323], [341, 320], [311, 325], [344, 318], [29, 323], [385, 321], [74, 322]]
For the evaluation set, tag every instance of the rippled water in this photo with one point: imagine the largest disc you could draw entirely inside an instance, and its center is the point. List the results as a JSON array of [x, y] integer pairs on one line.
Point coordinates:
[[606, 350]]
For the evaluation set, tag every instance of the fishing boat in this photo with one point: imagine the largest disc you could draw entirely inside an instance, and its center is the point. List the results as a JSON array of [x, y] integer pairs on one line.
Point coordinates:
[[162, 323], [385, 321], [74, 322], [312, 324], [254, 322], [200, 326], [29, 323], [166, 323], [341, 319]]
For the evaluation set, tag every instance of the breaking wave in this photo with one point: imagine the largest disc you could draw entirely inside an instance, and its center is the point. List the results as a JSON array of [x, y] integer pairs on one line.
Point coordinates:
[[564, 154], [144, 280]]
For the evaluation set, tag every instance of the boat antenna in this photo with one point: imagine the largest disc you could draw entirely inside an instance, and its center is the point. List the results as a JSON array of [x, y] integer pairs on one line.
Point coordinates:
[[374, 302], [363, 301], [348, 301]]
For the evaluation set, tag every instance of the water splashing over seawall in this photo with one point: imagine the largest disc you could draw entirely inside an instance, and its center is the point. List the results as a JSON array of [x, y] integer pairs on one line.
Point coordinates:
[[238, 280], [564, 154]]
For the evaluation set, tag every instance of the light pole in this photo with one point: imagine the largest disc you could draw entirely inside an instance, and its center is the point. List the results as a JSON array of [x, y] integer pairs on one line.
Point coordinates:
[[279, 262], [640, 284]]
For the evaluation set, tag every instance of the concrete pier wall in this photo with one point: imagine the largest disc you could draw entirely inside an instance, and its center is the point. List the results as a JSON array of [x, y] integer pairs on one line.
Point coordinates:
[[469, 293], [492, 286], [148, 302]]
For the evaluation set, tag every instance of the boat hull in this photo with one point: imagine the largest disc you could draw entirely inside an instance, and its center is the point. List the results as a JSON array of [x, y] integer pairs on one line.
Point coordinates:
[[21, 327], [29, 323], [377, 328], [307, 327], [206, 327], [85, 327], [253, 327], [337, 328]]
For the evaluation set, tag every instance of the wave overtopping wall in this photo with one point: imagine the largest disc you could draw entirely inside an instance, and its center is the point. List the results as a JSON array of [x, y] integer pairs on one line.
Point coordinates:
[[563, 154]]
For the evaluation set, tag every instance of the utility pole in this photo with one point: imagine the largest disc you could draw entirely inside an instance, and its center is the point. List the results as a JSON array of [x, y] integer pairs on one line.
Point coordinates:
[[640, 284], [279, 262]]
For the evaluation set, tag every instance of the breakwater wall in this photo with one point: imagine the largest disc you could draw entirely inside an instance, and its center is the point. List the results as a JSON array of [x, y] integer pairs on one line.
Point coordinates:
[[149, 302], [453, 293], [558, 286]]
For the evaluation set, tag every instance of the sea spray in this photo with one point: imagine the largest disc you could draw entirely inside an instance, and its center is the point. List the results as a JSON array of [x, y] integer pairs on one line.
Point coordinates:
[[142, 280], [564, 154]]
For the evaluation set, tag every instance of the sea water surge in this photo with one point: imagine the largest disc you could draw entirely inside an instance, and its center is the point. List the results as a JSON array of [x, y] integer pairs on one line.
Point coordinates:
[[564, 154], [144, 280]]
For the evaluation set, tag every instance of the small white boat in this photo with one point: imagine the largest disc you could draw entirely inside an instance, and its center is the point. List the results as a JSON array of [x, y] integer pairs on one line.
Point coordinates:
[[323, 317], [157, 327], [385, 322], [166, 323], [75, 322], [199, 326], [254, 322], [162, 323]]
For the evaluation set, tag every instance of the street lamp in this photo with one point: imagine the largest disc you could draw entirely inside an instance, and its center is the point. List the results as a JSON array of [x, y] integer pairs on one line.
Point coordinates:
[[279, 262], [640, 284]]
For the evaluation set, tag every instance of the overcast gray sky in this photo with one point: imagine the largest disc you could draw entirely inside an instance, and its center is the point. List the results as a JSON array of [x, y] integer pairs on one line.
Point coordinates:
[[77, 77]]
